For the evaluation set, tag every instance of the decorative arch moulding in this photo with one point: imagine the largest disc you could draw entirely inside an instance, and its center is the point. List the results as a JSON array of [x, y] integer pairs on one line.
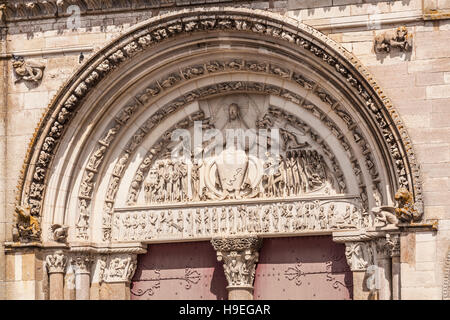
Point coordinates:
[[281, 30]]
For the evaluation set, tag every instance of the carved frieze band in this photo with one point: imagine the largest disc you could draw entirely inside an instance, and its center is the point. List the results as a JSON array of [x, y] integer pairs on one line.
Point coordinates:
[[211, 219], [154, 33]]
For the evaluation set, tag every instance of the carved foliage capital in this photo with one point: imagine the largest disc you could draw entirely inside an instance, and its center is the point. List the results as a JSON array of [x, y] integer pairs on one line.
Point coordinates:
[[239, 256], [56, 262]]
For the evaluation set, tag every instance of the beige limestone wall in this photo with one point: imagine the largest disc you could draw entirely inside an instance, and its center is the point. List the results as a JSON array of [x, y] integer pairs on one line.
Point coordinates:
[[418, 84], [3, 110]]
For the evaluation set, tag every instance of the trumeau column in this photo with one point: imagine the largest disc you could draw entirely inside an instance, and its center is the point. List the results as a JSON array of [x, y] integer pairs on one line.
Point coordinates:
[[239, 256], [56, 267], [82, 266]]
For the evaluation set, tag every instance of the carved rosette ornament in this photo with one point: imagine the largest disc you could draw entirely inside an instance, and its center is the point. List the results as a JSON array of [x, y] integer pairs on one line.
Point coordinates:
[[239, 256], [56, 262]]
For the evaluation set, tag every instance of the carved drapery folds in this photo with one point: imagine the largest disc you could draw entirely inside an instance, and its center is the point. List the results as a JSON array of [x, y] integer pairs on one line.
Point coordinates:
[[56, 262], [239, 256]]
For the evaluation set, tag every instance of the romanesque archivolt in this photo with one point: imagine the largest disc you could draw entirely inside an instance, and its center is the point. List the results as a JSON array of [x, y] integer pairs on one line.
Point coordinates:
[[398, 39], [138, 40]]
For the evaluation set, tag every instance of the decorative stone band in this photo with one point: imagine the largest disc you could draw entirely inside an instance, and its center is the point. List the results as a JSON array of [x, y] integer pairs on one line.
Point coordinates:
[[56, 262], [239, 256], [263, 217], [446, 284], [22, 11]]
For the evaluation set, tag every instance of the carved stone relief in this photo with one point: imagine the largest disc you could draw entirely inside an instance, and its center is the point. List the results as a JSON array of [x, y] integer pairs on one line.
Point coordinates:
[[27, 71], [239, 218], [239, 256], [359, 255], [400, 38], [56, 263], [158, 33], [117, 268]]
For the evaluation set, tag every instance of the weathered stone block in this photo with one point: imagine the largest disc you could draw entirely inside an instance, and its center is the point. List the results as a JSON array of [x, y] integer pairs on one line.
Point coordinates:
[[308, 4]]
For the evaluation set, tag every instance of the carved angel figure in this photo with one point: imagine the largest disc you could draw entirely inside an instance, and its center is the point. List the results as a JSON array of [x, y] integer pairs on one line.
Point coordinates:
[[27, 71]]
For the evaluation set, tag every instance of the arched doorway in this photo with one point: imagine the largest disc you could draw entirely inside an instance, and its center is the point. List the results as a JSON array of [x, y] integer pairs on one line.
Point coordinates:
[[118, 158]]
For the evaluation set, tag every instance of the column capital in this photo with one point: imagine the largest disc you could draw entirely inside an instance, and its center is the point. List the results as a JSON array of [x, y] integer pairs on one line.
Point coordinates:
[[239, 256], [393, 243], [82, 263], [56, 262], [359, 255], [116, 268]]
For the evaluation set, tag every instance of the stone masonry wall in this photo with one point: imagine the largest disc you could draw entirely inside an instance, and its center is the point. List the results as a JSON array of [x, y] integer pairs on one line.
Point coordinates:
[[417, 82]]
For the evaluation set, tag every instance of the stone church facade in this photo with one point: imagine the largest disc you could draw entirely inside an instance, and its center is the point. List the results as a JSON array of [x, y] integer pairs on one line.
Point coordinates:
[[225, 149]]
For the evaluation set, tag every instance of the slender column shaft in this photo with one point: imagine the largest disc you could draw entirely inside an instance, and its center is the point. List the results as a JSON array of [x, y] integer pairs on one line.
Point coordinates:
[[56, 286]]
